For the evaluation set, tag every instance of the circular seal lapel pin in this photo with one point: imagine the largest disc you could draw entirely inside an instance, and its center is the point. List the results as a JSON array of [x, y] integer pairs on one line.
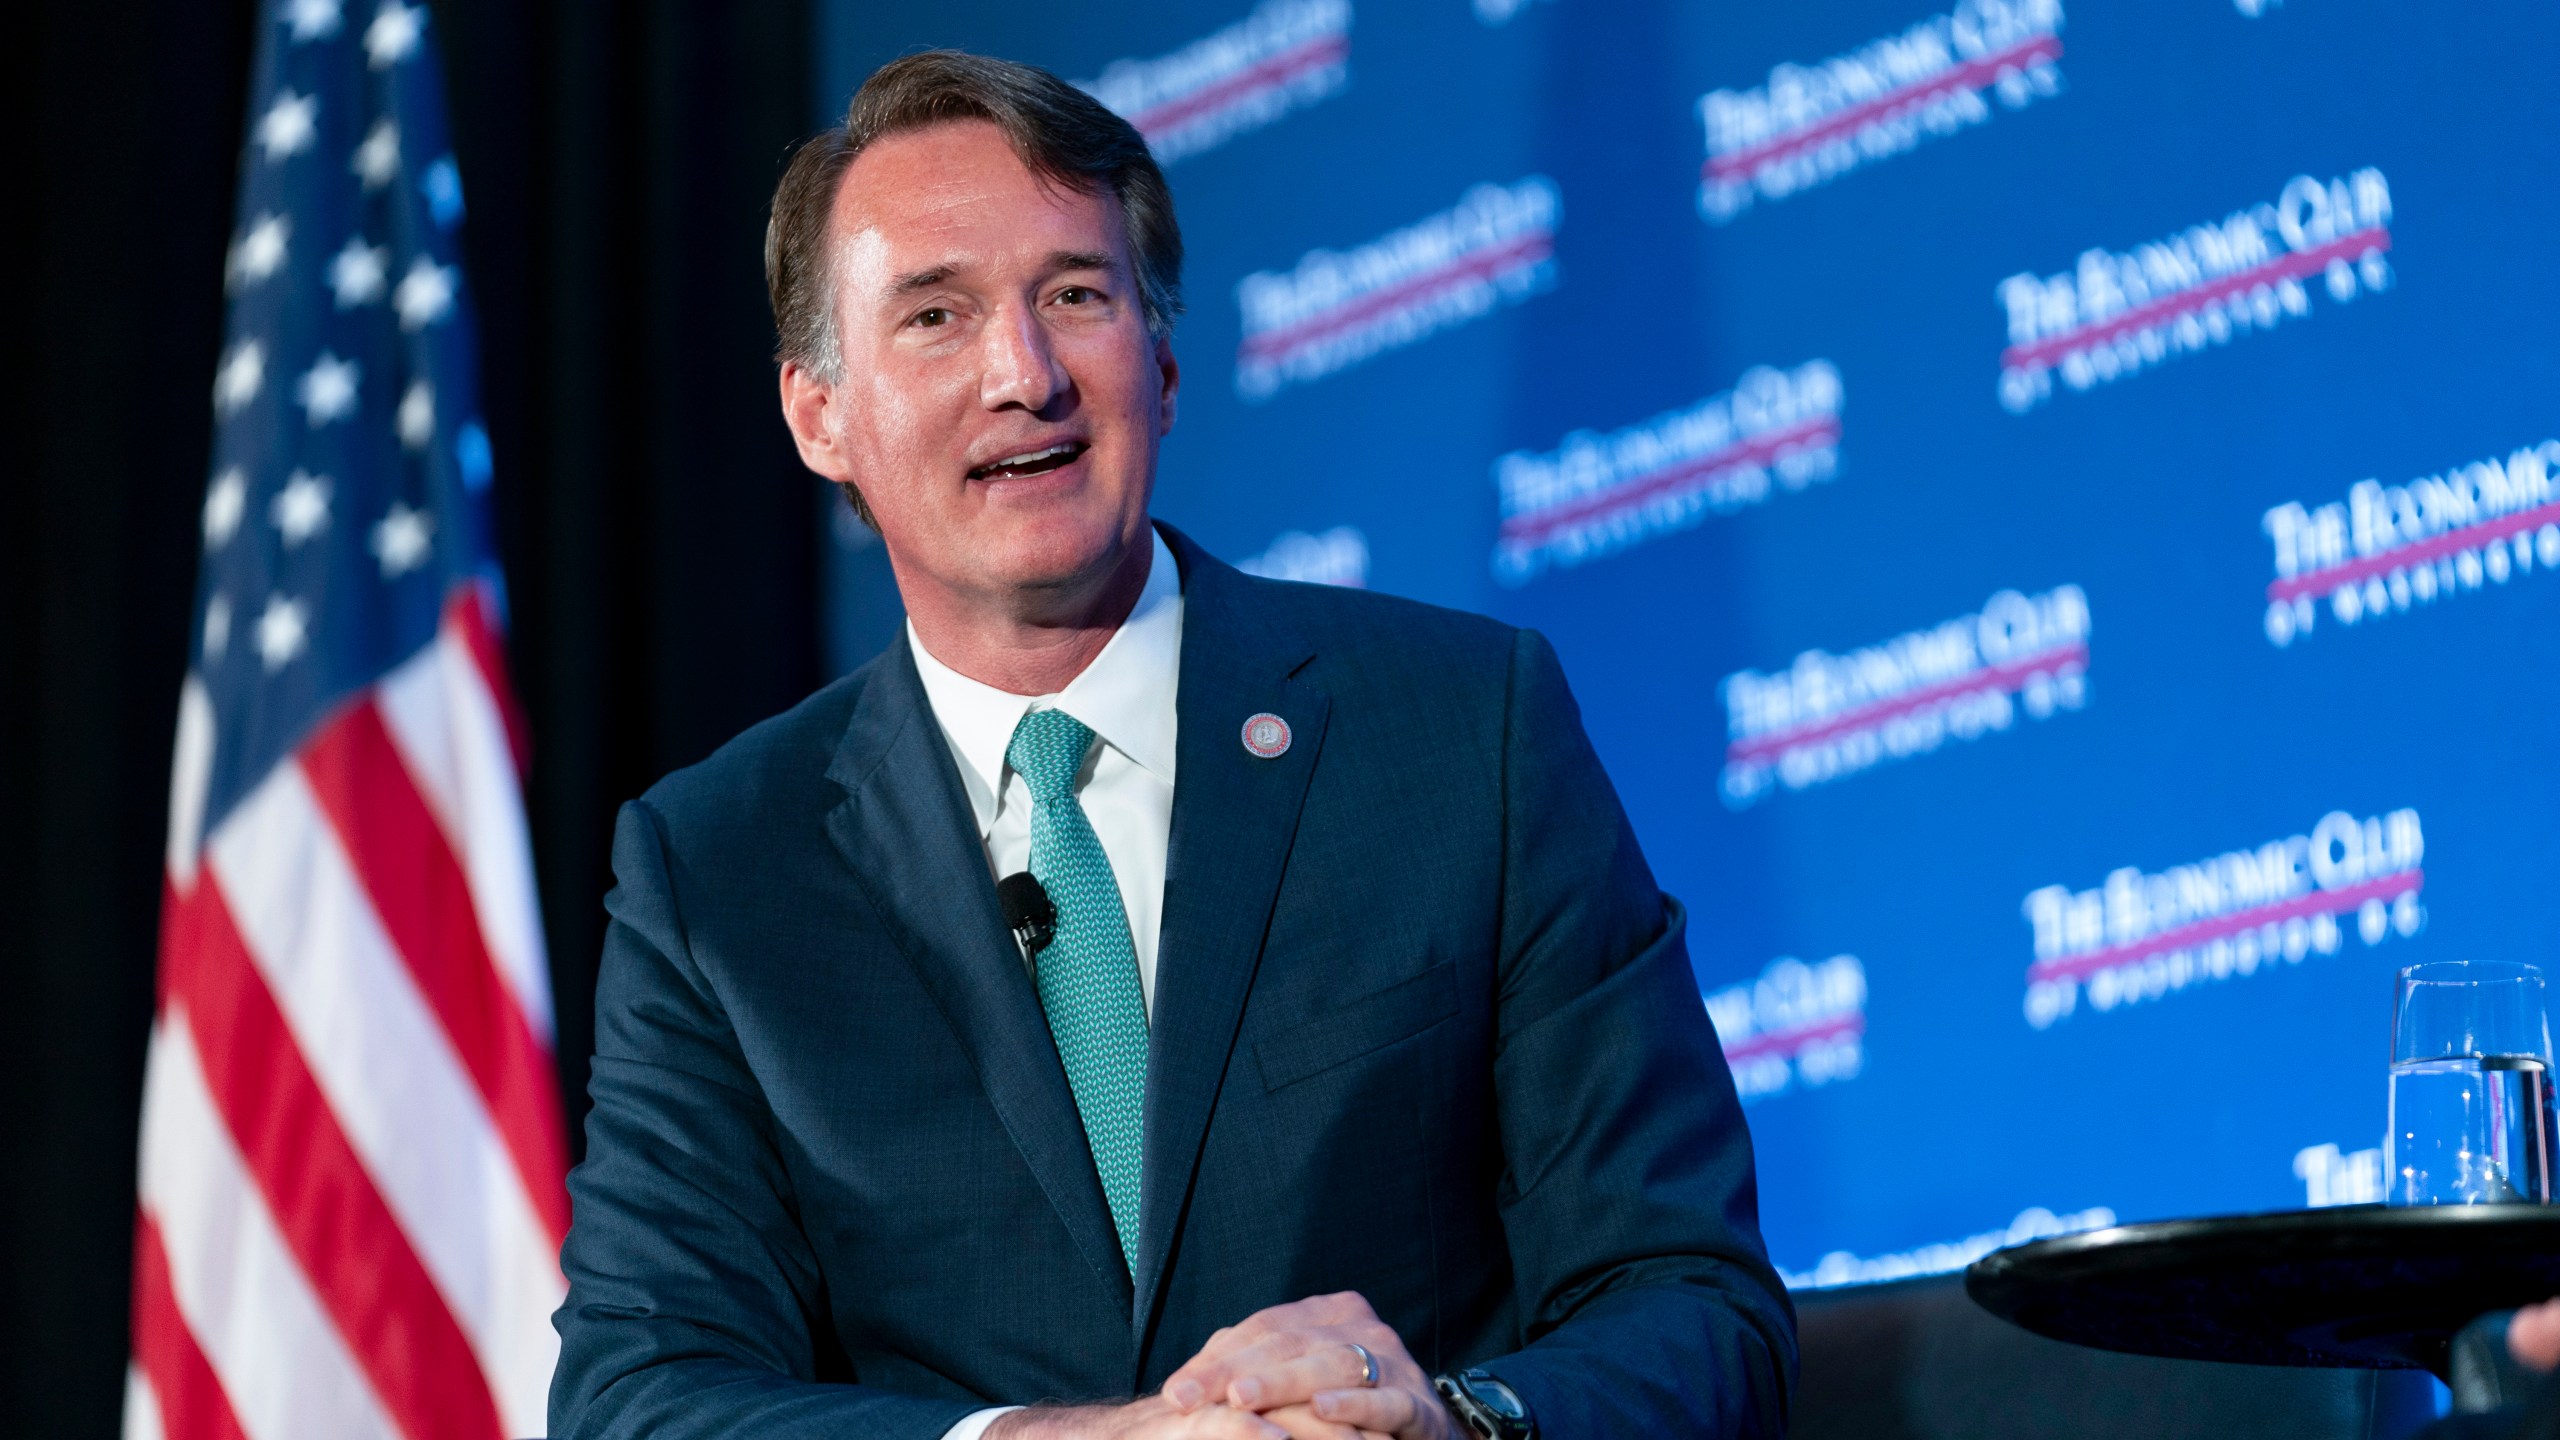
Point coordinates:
[[1266, 736]]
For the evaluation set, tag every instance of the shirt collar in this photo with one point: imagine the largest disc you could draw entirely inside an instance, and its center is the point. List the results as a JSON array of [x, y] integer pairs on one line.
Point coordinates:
[[1125, 694]]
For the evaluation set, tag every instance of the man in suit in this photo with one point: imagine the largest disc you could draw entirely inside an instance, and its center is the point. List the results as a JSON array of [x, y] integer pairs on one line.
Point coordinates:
[[1355, 1082]]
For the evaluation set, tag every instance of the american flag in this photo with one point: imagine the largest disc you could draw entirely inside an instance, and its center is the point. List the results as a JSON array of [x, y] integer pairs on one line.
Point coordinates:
[[352, 1144]]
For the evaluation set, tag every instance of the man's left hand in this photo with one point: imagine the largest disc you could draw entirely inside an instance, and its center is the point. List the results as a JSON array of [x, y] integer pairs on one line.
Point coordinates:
[[1308, 1354]]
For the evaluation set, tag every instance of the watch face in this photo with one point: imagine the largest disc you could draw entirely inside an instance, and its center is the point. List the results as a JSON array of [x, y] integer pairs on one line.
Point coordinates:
[[1495, 1396]]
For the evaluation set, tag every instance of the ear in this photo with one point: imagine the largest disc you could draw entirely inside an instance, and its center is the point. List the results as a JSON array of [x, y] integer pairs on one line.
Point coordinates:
[[806, 405], [1171, 370]]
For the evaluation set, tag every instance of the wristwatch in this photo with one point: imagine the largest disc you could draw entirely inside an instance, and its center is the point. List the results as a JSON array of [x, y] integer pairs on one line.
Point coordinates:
[[1488, 1408]]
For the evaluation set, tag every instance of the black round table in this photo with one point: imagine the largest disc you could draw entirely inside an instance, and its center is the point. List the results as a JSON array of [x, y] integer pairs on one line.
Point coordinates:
[[2358, 1285]]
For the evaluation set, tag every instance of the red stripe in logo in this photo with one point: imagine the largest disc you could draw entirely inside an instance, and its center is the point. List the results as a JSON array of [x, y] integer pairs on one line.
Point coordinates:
[[1972, 75]]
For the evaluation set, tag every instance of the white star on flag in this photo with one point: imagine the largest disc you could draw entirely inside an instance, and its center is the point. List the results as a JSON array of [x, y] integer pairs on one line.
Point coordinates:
[[301, 508], [260, 249], [284, 627], [236, 383], [223, 502], [287, 127], [217, 627], [378, 158], [400, 541], [393, 33], [417, 418], [311, 19], [359, 273], [425, 293], [327, 391]]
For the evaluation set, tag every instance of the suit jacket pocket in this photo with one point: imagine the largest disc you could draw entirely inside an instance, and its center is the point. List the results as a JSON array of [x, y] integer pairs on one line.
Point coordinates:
[[1372, 1022]]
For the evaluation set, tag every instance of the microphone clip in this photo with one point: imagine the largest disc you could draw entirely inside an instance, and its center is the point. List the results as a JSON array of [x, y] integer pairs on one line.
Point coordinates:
[[1028, 909]]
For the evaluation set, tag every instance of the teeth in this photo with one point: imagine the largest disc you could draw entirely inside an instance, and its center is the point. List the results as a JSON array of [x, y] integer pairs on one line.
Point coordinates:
[[1025, 459]]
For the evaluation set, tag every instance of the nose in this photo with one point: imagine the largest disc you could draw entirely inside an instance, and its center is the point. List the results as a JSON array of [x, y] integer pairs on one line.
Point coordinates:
[[1022, 368]]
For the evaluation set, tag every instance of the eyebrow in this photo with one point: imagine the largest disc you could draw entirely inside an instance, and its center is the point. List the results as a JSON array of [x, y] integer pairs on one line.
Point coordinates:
[[915, 280], [928, 278]]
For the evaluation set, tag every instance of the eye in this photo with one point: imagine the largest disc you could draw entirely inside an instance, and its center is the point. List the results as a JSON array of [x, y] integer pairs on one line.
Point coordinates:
[[931, 317], [1076, 295]]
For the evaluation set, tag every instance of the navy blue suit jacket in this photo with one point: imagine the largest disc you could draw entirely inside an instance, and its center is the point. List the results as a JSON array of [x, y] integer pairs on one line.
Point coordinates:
[[1424, 1028]]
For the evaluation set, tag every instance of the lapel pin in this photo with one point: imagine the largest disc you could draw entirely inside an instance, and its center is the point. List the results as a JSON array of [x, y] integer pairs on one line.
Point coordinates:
[[1266, 736]]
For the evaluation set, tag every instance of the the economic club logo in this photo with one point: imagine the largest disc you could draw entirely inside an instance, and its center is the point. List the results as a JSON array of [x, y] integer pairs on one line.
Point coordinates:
[[1796, 1025], [2141, 935], [1828, 717], [2386, 548], [2333, 1175], [1339, 556], [1594, 494], [1808, 124], [1944, 1257], [2118, 313], [1334, 309], [1286, 55]]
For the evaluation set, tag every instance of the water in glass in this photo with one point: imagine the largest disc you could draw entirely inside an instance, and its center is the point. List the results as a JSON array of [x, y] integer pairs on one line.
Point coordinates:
[[2473, 1130]]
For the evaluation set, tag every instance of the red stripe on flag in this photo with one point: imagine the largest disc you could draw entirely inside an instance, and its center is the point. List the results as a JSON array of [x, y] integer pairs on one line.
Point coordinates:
[[417, 886], [470, 615], [192, 1403], [344, 1236]]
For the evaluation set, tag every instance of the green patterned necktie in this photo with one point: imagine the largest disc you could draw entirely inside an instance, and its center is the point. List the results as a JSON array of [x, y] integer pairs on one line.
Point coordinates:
[[1088, 972]]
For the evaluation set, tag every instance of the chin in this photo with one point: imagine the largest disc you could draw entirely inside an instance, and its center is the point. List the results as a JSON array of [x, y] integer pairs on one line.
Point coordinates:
[[1053, 551]]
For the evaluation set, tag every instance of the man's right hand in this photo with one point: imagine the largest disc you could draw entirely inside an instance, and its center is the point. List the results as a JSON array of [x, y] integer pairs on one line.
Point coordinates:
[[2533, 1337], [1152, 1418]]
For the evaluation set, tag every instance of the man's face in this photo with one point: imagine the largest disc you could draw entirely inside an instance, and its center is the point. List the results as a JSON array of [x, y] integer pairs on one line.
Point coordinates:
[[1001, 399]]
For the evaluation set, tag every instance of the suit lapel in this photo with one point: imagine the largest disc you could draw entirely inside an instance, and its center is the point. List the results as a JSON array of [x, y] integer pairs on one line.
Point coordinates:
[[1235, 816], [906, 830]]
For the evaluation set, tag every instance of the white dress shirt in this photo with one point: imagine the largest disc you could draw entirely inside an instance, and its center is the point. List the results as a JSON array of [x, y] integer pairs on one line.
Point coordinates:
[[1125, 696]]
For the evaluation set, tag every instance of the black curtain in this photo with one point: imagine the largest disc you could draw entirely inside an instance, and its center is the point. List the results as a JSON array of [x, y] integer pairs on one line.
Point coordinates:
[[661, 541]]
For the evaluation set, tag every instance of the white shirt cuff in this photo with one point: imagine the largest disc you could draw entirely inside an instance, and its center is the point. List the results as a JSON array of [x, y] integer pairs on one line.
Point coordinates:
[[973, 1426]]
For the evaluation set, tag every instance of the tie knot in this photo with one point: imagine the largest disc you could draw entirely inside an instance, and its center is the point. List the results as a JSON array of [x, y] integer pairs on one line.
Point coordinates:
[[1047, 750]]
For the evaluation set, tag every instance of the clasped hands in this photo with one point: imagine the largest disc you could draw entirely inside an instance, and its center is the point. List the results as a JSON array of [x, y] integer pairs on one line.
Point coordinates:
[[1286, 1373]]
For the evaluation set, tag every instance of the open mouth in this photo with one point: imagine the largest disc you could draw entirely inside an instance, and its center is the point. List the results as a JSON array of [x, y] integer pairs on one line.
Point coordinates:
[[1031, 462]]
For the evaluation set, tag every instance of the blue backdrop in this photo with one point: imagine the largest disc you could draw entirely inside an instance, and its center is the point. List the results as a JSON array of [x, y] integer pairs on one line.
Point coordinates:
[[2047, 506]]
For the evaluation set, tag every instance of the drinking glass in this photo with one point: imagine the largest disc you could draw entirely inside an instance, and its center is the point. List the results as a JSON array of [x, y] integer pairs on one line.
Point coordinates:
[[2471, 1116]]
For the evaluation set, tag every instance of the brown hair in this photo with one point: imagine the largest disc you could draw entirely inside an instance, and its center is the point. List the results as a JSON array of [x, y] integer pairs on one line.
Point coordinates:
[[1061, 133]]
